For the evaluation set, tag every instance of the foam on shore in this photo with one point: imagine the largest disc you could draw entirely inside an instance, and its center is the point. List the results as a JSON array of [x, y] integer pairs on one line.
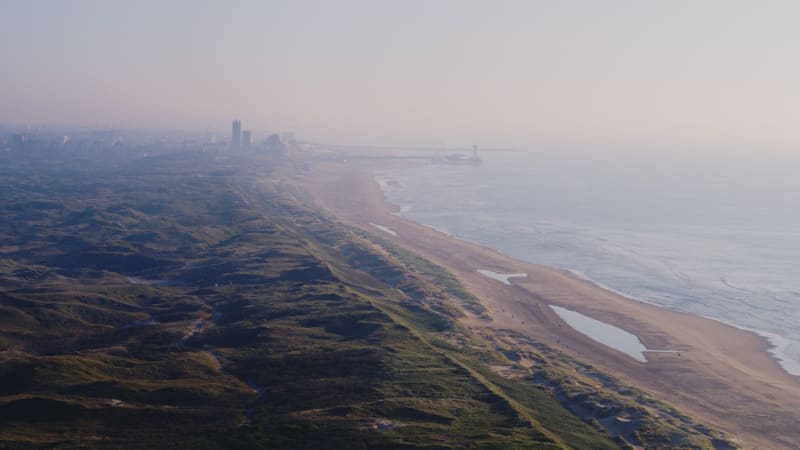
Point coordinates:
[[501, 277], [402, 211], [438, 229], [778, 346], [386, 182]]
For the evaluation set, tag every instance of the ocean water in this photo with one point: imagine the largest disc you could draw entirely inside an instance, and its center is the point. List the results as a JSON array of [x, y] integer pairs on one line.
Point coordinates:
[[716, 236]]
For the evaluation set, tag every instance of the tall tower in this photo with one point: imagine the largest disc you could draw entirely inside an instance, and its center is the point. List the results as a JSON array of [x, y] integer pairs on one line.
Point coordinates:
[[247, 139], [236, 137]]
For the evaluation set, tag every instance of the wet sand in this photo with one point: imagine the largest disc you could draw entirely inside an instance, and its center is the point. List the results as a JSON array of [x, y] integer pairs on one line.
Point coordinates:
[[720, 375]]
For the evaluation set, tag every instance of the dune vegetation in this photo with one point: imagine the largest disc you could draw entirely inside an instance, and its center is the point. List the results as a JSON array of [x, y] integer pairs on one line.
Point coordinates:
[[198, 301]]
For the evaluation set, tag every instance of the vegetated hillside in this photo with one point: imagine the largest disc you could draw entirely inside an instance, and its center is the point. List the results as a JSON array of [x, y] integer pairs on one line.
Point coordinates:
[[194, 301]]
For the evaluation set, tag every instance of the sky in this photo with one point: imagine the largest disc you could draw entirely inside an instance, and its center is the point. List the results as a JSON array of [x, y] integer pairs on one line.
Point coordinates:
[[699, 74]]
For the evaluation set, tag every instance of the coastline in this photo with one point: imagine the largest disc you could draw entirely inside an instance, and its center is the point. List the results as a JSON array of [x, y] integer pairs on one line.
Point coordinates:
[[777, 345], [774, 342], [722, 375]]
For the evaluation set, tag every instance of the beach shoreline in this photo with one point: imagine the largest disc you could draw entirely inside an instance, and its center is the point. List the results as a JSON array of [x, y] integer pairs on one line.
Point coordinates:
[[720, 374]]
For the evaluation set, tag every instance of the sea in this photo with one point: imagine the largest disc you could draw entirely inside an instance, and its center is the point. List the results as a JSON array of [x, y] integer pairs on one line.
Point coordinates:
[[711, 234]]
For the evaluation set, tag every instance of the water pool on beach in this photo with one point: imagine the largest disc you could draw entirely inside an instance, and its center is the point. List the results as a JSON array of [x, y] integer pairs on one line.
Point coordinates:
[[606, 334], [504, 278]]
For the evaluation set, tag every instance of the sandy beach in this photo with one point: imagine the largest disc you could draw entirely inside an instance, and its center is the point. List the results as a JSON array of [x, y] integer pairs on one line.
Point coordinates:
[[718, 374]]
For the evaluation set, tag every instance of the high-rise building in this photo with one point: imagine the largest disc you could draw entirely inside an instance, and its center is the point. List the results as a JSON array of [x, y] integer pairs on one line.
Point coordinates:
[[236, 138], [247, 139]]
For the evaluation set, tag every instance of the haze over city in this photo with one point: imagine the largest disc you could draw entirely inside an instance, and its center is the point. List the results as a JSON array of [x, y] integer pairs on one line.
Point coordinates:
[[399, 224], [712, 75]]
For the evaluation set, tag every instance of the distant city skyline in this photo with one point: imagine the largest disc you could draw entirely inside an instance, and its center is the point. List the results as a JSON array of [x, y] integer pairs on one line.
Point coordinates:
[[709, 74], [236, 134]]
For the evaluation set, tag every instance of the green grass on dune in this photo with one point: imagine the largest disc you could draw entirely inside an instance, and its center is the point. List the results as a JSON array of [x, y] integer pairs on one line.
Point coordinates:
[[193, 302]]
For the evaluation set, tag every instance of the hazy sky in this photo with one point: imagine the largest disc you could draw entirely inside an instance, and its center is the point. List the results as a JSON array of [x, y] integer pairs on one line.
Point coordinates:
[[698, 73]]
